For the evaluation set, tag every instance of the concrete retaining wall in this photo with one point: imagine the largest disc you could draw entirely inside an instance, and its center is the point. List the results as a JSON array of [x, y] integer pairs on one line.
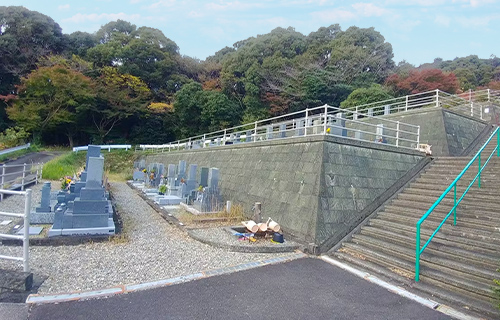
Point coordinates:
[[315, 187]]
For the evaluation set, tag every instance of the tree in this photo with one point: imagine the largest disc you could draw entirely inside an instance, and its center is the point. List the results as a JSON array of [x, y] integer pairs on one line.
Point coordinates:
[[119, 96], [25, 36], [51, 99], [78, 43], [363, 96], [188, 109], [422, 81]]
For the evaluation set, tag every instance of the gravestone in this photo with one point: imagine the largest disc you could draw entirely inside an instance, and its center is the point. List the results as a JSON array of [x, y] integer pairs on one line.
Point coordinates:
[[339, 125], [318, 128], [210, 200], [45, 201], [181, 174], [191, 183], [204, 177], [92, 151], [138, 175], [380, 134]]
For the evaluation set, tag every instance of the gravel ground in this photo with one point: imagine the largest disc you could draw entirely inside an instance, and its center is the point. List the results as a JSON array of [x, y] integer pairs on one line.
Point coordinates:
[[154, 250]]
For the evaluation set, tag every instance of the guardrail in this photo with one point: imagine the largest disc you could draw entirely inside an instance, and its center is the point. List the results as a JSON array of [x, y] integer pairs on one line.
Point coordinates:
[[107, 146], [316, 121], [7, 151], [25, 236], [20, 175], [456, 202]]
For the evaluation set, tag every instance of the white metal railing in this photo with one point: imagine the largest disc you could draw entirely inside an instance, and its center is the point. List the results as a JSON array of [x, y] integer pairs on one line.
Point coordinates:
[[107, 146], [14, 176], [7, 151], [324, 120], [25, 236], [473, 103]]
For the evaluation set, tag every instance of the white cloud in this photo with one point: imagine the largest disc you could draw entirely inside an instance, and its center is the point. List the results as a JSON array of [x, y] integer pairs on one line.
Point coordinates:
[[335, 15], [233, 5], [162, 4], [63, 7], [442, 20], [369, 10], [92, 17], [195, 14]]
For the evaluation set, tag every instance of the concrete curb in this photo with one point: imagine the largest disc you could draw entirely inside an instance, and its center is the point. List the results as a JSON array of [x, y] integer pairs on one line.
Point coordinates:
[[84, 295], [246, 249], [400, 291]]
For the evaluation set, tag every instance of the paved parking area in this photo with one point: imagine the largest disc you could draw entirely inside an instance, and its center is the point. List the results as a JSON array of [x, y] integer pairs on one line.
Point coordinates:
[[301, 289]]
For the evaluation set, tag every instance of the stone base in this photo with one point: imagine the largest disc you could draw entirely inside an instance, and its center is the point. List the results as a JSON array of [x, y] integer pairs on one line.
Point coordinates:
[[168, 200], [110, 230], [42, 217], [16, 281]]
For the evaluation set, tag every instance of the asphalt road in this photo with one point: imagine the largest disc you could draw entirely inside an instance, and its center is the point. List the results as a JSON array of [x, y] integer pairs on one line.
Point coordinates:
[[31, 158], [300, 289]]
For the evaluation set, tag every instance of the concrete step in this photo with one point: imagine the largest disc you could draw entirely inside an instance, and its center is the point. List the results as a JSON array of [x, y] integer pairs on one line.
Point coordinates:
[[453, 233], [466, 202], [476, 259], [431, 260], [460, 301], [493, 184], [479, 220], [448, 278], [438, 243], [473, 193], [412, 218]]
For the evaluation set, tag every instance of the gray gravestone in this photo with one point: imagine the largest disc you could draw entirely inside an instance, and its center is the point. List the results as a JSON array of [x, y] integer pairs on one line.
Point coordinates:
[[213, 178], [45, 201], [380, 134], [204, 177]]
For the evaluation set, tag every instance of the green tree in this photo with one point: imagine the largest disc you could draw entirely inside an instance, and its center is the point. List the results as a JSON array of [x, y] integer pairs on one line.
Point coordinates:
[[51, 99], [362, 96]]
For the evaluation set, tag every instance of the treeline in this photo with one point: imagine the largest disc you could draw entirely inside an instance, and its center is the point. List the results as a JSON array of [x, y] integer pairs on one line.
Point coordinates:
[[125, 83]]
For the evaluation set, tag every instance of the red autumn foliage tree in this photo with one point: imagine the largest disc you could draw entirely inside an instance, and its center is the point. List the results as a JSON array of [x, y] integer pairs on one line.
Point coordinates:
[[422, 81]]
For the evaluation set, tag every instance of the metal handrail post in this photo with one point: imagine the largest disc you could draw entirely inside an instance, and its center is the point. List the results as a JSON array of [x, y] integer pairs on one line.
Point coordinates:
[[255, 132], [36, 175], [417, 253], [437, 97], [498, 143], [204, 140], [326, 119], [479, 170], [3, 181], [224, 138], [26, 234], [455, 204], [418, 136], [307, 121], [488, 95], [397, 134], [24, 176], [406, 104]]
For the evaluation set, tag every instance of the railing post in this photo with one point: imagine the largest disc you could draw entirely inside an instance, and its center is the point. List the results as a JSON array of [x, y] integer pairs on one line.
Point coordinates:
[[255, 132], [26, 234], [481, 112], [437, 97], [36, 175], [3, 181], [204, 139], [455, 204], [397, 134], [307, 121], [418, 135], [326, 119], [24, 176], [417, 253], [470, 94], [355, 117], [479, 170], [178, 145], [224, 138], [488, 95], [498, 143], [41, 171], [472, 109]]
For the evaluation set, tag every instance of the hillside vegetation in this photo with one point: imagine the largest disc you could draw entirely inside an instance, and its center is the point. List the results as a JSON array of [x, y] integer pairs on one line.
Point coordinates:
[[128, 83]]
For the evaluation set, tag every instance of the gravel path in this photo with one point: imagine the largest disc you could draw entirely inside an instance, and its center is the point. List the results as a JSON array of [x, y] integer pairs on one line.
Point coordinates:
[[154, 250]]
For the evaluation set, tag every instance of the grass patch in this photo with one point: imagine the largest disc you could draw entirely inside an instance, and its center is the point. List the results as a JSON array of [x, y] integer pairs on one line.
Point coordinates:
[[67, 164], [118, 165]]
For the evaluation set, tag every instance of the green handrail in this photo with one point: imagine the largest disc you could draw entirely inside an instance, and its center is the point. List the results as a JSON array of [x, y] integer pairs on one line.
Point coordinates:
[[419, 250]]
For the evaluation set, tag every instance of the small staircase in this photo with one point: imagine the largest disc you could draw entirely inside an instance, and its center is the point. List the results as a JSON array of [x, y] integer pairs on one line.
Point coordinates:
[[460, 263]]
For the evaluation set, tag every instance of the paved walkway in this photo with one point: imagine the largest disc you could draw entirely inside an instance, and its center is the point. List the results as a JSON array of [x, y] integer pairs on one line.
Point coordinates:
[[301, 289]]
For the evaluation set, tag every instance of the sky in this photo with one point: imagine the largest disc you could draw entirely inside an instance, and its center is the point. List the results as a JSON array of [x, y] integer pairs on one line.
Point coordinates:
[[419, 30]]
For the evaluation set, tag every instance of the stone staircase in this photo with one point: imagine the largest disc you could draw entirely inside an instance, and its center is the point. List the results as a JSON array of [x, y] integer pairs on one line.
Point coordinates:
[[458, 266]]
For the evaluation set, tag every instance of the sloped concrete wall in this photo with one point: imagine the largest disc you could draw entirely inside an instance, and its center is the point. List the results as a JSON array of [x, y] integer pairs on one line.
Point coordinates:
[[460, 131]]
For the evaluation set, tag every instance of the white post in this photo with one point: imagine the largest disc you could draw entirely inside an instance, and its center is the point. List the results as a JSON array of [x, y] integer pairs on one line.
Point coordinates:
[[488, 95], [481, 112], [3, 181], [178, 145], [224, 138], [307, 120], [418, 136], [26, 234], [255, 132], [326, 119], [36, 175], [397, 134], [437, 97], [470, 94], [406, 105], [355, 116], [41, 171], [472, 109], [24, 175]]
